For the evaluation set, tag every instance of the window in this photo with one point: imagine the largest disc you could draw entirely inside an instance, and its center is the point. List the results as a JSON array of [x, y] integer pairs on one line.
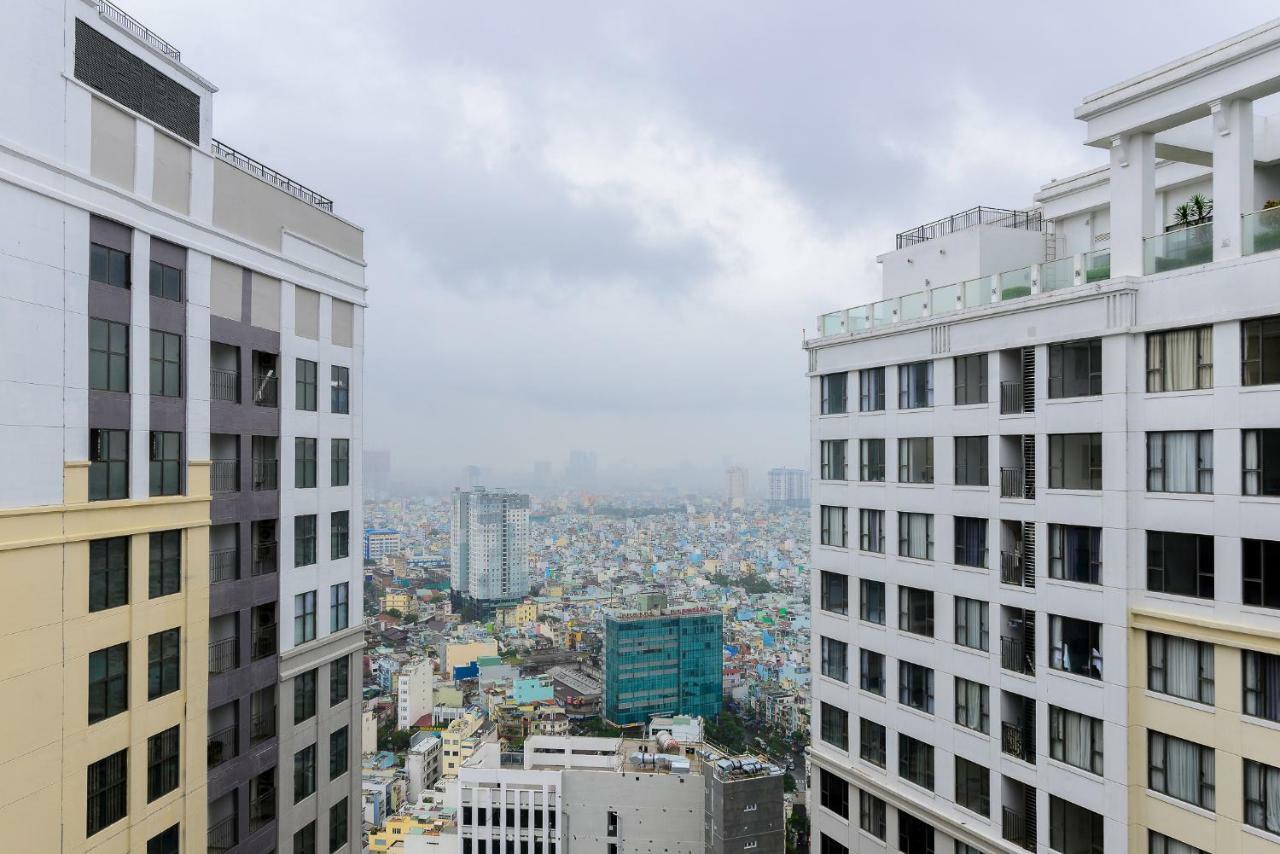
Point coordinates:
[[971, 541], [915, 535], [1075, 461], [338, 607], [304, 617], [827, 845], [339, 534], [1075, 646], [871, 531], [108, 266], [1181, 564], [1180, 461], [165, 842], [339, 462], [871, 601], [871, 741], [971, 623], [108, 792], [833, 792], [108, 464], [108, 573], [915, 611], [166, 364], [973, 787], [973, 705], [915, 460], [1075, 739], [1261, 572], [162, 763], [108, 355], [834, 390], [304, 772], [1180, 360], [166, 281], [1260, 364], [305, 385], [1073, 829], [164, 572], [971, 379], [914, 835], [915, 385], [338, 758], [166, 462], [833, 452], [1261, 796], [304, 463], [915, 761], [971, 461], [834, 590], [164, 652], [1180, 667], [915, 686], [304, 696], [871, 672], [871, 814], [340, 389], [871, 390], [1180, 769], [1261, 461], [871, 460], [304, 540], [1075, 368], [338, 825], [304, 840], [1262, 686], [108, 682], [835, 659], [339, 680], [1158, 843], [835, 726], [835, 526], [1075, 553]]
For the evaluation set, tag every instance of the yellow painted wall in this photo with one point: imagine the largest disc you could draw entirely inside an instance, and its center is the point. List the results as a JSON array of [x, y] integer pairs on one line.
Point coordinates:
[[46, 636]]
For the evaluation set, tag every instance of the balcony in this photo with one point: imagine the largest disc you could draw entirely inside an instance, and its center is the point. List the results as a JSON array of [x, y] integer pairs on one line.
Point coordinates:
[[262, 810], [266, 474], [1011, 401], [263, 642], [1182, 247], [281, 182], [224, 475], [1014, 829], [1012, 483], [1017, 656], [1261, 231], [262, 725], [224, 385], [266, 390], [222, 835], [224, 565], [1017, 742], [223, 745], [265, 558], [224, 655], [973, 217], [1097, 266], [1011, 567]]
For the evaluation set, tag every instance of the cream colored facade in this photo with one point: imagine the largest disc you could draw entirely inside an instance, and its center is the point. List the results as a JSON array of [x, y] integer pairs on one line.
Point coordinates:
[[462, 654], [460, 741]]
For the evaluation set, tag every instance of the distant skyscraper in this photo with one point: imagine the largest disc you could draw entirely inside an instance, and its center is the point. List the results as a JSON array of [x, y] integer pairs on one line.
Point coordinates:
[[662, 663], [788, 488], [377, 473], [489, 544], [581, 469], [736, 478]]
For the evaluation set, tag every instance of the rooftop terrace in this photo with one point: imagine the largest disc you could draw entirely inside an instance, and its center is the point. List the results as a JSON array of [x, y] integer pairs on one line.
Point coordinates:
[[980, 215]]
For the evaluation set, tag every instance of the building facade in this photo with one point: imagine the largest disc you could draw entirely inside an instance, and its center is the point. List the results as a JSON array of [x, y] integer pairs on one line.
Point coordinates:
[[175, 303], [667, 662], [736, 483], [489, 545], [788, 488], [414, 694], [1045, 516]]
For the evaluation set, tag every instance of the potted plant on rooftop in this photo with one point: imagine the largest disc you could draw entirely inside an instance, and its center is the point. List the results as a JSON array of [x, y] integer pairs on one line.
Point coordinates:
[[1193, 245]]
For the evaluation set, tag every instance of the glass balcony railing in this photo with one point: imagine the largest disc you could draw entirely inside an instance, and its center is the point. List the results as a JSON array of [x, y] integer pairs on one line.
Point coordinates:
[[945, 299], [1182, 247], [884, 312], [1097, 265], [1056, 275], [977, 292], [914, 306], [1016, 284], [1261, 231]]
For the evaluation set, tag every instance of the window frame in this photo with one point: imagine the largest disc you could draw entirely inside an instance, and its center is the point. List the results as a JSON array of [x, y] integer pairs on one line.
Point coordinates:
[[871, 530], [871, 672], [872, 812], [824, 598], [1266, 327], [909, 385], [871, 464], [163, 750], [164, 662], [833, 459], [964, 608], [339, 461], [339, 606], [1207, 784], [168, 284], [965, 395], [304, 774], [916, 756], [833, 793], [1260, 700], [1158, 462], [109, 571], [340, 665], [1157, 345], [114, 362], [164, 563], [166, 367], [915, 686], [113, 262], [967, 471], [304, 540], [910, 468], [975, 775], [1058, 380], [1058, 462], [834, 658], [306, 694], [339, 390], [304, 617], [871, 389], [1061, 731], [962, 556], [1255, 805], [108, 462], [1260, 578], [107, 789], [1058, 563], [1158, 673], [909, 602], [833, 394], [829, 716], [867, 610], [1162, 544], [964, 714], [873, 742], [165, 464], [338, 768], [339, 534], [304, 462], [112, 684], [833, 526], [906, 520], [305, 386]]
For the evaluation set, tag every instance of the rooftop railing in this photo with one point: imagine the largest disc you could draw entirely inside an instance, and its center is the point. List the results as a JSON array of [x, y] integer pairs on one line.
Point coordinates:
[[1029, 220], [245, 163], [131, 25]]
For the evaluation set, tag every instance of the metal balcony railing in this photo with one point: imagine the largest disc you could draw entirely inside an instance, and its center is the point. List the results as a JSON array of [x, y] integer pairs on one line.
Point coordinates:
[[224, 476], [266, 390], [1011, 402], [224, 655], [265, 558], [262, 725], [266, 474], [262, 809], [263, 642], [1013, 483], [224, 565], [1011, 568], [222, 835], [981, 215], [133, 27], [224, 384], [1017, 743], [1014, 829], [245, 163], [1016, 656], [223, 745]]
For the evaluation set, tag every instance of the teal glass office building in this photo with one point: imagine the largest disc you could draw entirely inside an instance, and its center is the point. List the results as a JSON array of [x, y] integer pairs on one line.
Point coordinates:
[[666, 663]]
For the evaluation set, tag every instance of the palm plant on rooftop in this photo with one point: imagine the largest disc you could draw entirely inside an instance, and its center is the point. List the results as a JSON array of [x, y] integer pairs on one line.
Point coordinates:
[[1194, 211]]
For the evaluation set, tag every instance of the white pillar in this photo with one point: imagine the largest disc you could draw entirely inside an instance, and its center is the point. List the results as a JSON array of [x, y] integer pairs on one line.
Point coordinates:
[[1133, 196], [1232, 173]]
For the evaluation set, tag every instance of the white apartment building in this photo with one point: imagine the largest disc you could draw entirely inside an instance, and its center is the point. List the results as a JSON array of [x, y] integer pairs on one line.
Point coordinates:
[[414, 693], [788, 487], [489, 544], [1046, 523]]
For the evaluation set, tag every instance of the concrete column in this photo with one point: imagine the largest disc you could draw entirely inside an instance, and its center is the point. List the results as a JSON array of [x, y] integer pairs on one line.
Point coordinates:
[[140, 367], [1232, 123], [1133, 197]]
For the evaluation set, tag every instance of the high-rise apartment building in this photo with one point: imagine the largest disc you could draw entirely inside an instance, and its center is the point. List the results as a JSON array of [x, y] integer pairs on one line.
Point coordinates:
[[1046, 582], [489, 544], [663, 662], [788, 488], [736, 478], [180, 417], [414, 693]]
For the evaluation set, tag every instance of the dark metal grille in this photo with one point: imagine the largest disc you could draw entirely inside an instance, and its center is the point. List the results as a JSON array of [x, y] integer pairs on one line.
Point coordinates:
[[1029, 220]]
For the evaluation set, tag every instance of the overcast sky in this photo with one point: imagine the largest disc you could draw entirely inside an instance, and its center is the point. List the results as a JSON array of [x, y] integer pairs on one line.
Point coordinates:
[[604, 225]]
